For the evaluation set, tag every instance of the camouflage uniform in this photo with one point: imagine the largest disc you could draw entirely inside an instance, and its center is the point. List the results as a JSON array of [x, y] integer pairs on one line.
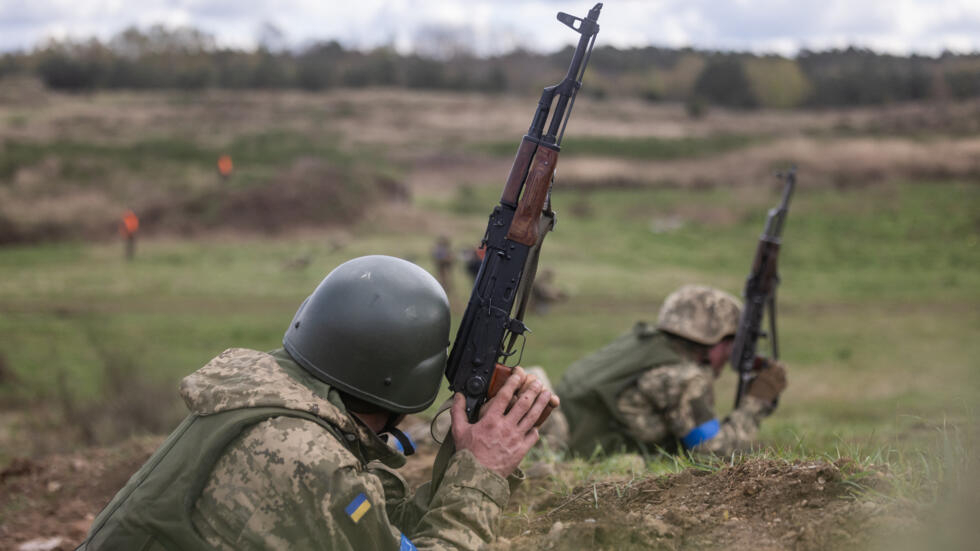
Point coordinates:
[[656, 406], [647, 390], [291, 483], [670, 402]]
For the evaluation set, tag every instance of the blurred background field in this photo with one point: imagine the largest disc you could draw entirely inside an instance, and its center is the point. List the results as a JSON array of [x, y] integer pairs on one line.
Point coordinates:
[[879, 304]]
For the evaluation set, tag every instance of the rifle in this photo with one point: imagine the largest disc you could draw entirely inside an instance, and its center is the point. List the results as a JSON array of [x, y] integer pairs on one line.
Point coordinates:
[[760, 293], [487, 333]]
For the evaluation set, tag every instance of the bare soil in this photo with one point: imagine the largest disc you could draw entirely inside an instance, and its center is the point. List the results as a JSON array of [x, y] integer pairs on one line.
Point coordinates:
[[56, 497], [761, 504]]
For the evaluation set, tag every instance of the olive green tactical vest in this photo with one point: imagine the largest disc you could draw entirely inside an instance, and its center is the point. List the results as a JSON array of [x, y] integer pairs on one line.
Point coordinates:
[[590, 387], [153, 511]]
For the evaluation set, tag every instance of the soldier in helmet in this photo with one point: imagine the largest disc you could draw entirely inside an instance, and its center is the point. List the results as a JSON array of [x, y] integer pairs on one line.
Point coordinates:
[[296, 449], [653, 388]]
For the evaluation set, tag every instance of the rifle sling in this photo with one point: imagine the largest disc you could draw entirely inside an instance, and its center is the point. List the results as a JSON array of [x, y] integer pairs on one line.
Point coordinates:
[[545, 224]]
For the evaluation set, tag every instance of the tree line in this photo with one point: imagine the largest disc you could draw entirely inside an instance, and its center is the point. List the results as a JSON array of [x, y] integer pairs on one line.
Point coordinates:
[[186, 58]]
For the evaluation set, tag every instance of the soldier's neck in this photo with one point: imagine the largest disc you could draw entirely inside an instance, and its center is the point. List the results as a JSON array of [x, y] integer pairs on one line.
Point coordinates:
[[373, 421]]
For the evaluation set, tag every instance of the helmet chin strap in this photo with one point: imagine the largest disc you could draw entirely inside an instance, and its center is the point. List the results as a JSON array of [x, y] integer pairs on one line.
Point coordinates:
[[408, 447]]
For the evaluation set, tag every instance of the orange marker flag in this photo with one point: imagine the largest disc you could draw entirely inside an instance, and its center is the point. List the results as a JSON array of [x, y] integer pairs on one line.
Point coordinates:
[[225, 166]]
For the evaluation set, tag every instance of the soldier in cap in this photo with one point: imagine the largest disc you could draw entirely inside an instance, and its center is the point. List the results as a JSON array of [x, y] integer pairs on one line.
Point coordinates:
[[653, 388], [297, 448]]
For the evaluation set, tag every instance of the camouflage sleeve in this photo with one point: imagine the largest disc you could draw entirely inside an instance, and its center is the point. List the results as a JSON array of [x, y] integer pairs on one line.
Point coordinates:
[[738, 430], [682, 401], [465, 508], [466, 486], [405, 508], [676, 399], [287, 483]]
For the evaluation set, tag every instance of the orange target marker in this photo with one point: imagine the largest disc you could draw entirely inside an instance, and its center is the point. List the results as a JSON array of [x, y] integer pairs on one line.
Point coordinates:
[[225, 166], [128, 226]]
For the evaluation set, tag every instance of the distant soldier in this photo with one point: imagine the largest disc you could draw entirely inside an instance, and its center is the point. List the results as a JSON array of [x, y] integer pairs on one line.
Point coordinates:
[[128, 226], [653, 388], [442, 256], [297, 448]]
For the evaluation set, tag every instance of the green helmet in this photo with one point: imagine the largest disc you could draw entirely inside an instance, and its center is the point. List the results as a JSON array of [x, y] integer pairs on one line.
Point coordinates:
[[701, 314], [377, 328]]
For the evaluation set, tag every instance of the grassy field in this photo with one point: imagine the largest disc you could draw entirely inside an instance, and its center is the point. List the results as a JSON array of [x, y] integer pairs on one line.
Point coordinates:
[[879, 302]]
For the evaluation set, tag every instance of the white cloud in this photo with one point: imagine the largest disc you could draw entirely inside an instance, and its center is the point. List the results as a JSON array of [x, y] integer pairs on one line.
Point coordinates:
[[899, 26]]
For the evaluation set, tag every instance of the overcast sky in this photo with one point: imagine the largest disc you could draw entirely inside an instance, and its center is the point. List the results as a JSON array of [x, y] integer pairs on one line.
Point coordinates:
[[493, 26]]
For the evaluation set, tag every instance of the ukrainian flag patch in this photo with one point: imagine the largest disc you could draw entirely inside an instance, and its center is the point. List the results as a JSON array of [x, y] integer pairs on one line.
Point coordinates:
[[358, 507]]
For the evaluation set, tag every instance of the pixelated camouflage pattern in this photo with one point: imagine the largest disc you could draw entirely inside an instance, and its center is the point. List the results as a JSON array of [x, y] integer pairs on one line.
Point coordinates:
[[240, 378], [702, 314], [668, 402], [285, 482]]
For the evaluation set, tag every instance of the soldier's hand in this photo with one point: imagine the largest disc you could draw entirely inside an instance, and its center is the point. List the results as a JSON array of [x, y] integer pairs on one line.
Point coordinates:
[[529, 379], [503, 435], [769, 382]]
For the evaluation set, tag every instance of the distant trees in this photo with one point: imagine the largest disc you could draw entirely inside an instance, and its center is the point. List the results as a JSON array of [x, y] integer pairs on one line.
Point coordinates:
[[723, 81], [186, 58], [861, 77]]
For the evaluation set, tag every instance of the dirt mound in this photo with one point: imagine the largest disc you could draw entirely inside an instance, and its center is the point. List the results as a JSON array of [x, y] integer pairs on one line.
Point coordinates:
[[309, 193], [56, 498], [759, 504]]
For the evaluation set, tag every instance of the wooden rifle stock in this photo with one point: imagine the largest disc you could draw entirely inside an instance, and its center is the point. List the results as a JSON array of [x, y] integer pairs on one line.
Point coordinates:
[[500, 374], [518, 171], [524, 228]]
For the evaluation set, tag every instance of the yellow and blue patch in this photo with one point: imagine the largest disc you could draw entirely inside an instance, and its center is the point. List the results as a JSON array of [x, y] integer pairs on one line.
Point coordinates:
[[358, 507]]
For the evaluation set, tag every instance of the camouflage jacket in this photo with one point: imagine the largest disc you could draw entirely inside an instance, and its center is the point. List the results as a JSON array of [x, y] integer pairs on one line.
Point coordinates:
[[677, 402], [643, 391], [288, 483]]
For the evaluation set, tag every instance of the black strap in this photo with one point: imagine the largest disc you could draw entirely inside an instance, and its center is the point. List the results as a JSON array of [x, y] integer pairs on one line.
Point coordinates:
[[408, 446]]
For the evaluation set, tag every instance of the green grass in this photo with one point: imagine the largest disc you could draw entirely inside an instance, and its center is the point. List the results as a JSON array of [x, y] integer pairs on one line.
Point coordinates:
[[652, 148], [880, 298]]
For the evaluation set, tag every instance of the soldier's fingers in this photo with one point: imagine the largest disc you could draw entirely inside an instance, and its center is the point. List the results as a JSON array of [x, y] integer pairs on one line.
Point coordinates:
[[524, 401], [530, 439], [529, 380], [518, 370], [531, 417], [458, 415], [498, 404]]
